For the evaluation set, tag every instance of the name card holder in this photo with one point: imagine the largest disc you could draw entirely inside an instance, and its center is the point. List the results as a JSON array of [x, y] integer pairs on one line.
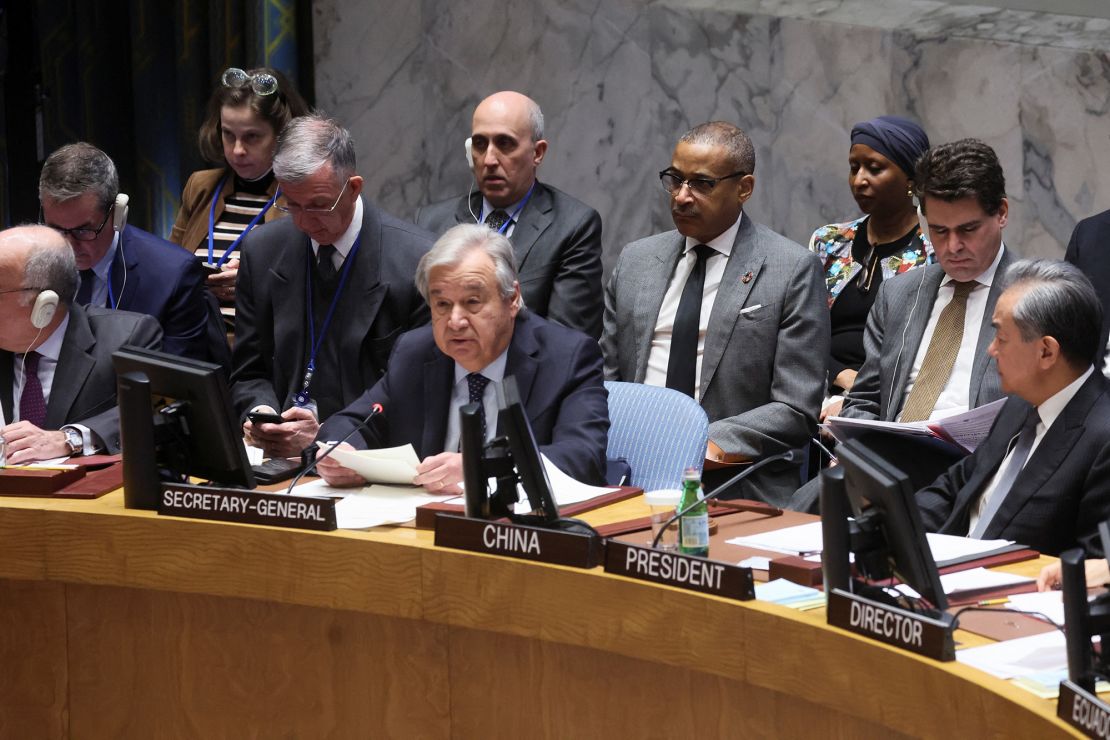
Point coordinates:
[[247, 507], [518, 541], [1083, 710], [916, 633], [681, 571]]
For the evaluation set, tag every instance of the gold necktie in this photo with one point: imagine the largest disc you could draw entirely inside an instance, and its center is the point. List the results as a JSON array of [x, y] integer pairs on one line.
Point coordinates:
[[936, 368]]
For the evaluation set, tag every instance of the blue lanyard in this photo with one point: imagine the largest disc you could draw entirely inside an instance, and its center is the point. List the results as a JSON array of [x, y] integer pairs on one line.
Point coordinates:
[[212, 222], [516, 213], [314, 342]]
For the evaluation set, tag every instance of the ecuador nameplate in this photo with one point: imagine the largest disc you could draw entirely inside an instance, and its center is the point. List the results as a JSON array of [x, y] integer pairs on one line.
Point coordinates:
[[914, 632], [682, 571], [247, 507], [518, 541], [1083, 710]]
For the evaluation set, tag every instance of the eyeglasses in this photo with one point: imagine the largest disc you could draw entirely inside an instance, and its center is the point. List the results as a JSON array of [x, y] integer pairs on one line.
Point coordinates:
[[21, 290], [81, 234], [294, 209], [672, 183], [262, 83]]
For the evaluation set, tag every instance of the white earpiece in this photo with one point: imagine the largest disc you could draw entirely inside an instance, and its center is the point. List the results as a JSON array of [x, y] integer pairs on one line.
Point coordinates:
[[119, 213], [469, 153], [46, 305]]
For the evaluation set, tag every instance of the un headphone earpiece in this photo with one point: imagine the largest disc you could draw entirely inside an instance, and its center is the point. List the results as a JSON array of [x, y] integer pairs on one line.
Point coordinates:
[[469, 144], [119, 213], [46, 305]]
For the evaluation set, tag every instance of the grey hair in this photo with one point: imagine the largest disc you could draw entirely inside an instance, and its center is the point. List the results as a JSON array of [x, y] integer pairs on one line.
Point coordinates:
[[451, 248], [741, 153], [1058, 301], [50, 266], [76, 169], [307, 143], [535, 116]]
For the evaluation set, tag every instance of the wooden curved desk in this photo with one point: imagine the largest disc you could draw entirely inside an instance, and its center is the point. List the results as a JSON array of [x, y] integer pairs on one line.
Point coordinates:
[[117, 623]]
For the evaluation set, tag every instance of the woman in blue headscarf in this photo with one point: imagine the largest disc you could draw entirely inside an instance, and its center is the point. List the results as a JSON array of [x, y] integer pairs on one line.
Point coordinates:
[[860, 254]]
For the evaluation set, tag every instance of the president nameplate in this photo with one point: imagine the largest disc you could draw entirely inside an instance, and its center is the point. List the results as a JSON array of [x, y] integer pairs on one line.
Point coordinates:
[[517, 541], [1083, 710], [898, 627], [681, 571], [247, 507]]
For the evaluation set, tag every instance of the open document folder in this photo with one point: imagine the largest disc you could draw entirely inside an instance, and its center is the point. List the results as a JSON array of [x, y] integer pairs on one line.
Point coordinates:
[[962, 432]]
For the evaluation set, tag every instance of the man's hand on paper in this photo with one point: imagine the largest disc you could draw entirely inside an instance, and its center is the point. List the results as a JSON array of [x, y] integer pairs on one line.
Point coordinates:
[[336, 474], [1096, 570], [27, 443], [286, 439], [440, 473]]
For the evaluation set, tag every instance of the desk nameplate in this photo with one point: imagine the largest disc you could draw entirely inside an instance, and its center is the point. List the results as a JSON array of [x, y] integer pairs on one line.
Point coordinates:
[[681, 571], [517, 541], [1083, 710], [916, 633], [247, 507]]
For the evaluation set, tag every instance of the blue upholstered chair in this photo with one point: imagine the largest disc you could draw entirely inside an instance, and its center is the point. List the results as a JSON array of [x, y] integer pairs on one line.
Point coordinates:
[[658, 431]]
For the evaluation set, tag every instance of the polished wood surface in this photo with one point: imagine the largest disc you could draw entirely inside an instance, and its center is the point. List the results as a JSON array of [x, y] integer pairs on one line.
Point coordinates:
[[118, 623]]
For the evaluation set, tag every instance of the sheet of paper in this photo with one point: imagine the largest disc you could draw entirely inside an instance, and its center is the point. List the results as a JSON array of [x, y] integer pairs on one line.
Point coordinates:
[[394, 465], [844, 428], [565, 489], [1024, 656], [756, 562], [802, 539], [947, 547], [970, 428], [255, 455], [782, 591], [975, 579], [371, 506], [1047, 603]]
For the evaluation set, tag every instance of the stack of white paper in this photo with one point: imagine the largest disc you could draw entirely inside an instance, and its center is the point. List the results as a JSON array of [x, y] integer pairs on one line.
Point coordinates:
[[1024, 656], [394, 465]]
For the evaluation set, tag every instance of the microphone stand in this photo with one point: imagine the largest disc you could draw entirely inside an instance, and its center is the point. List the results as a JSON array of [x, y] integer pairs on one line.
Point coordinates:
[[374, 411]]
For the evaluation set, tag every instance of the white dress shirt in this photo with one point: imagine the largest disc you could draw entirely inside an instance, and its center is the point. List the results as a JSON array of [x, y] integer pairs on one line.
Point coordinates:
[[1048, 411], [660, 352], [460, 396], [510, 211], [344, 243], [953, 398]]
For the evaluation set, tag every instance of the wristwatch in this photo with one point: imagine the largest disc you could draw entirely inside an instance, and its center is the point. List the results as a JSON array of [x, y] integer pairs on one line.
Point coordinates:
[[74, 440]]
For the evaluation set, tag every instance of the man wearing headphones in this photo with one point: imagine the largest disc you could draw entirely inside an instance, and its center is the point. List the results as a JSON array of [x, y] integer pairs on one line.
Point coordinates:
[[123, 267], [57, 383], [556, 239]]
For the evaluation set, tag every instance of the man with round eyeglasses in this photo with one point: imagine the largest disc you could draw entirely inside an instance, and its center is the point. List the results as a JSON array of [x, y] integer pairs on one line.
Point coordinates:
[[726, 311], [321, 296]]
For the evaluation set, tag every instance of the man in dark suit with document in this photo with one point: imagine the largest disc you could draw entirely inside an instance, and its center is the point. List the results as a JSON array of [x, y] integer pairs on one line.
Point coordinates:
[[1042, 476], [480, 334]]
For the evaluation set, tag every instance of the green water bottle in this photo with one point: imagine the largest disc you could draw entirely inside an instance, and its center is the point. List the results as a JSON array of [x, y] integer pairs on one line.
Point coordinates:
[[693, 527]]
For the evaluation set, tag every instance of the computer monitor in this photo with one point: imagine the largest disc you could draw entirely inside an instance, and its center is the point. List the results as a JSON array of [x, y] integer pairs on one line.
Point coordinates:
[[888, 537], [514, 424], [176, 421], [1084, 619]]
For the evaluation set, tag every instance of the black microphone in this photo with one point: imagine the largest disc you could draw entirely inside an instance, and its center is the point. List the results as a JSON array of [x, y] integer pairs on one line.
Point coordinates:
[[374, 411], [788, 456]]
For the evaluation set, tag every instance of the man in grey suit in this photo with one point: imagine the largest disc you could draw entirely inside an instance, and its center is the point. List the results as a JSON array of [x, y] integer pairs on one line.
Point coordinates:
[[321, 296], [556, 239], [57, 382], [725, 310]]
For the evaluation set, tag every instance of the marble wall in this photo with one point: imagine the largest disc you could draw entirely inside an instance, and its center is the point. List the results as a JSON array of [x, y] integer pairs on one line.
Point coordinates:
[[620, 80]]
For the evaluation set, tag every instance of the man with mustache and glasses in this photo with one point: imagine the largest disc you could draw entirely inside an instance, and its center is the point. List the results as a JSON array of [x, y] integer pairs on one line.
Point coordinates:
[[726, 311]]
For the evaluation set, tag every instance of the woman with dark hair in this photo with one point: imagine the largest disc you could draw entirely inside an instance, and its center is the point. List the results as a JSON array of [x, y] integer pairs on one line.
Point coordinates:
[[246, 113], [886, 241]]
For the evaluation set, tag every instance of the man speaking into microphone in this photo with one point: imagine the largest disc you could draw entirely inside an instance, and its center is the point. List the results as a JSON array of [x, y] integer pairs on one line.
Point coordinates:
[[480, 333]]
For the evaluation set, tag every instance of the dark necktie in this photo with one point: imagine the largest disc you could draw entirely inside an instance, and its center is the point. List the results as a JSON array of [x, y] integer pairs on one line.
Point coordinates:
[[325, 264], [940, 357], [32, 404], [1017, 461], [476, 383], [85, 291], [682, 364], [497, 219]]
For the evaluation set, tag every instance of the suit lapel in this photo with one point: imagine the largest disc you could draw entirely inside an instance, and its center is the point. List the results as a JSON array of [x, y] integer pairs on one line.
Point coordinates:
[[533, 221], [747, 258], [522, 365], [6, 364], [436, 403], [467, 209], [125, 283], [651, 288], [75, 363], [986, 334], [918, 319], [288, 308]]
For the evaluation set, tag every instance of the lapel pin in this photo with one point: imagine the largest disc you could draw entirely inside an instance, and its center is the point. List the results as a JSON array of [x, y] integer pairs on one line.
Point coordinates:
[[747, 278]]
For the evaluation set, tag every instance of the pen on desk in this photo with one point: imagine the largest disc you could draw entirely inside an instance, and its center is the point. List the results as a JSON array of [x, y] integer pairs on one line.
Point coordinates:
[[995, 602]]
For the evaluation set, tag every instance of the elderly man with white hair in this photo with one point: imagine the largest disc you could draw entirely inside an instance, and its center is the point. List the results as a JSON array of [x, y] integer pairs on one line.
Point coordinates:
[[480, 334]]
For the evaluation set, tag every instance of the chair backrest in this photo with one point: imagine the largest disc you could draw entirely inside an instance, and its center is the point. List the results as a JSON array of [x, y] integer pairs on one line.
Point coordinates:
[[659, 431]]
